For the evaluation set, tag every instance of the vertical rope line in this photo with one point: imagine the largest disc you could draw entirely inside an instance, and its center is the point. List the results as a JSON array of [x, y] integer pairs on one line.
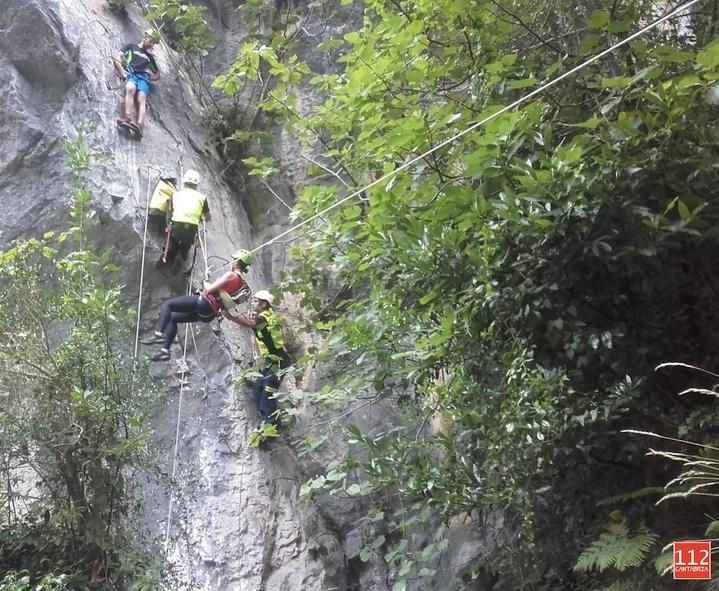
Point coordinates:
[[203, 245], [142, 267], [188, 328]]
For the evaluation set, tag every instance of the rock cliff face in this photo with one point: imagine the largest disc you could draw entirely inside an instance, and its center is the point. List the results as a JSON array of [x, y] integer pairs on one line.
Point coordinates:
[[235, 522]]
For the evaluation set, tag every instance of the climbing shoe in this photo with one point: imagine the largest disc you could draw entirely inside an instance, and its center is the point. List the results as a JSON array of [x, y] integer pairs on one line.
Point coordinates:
[[154, 339], [125, 121], [137, 128], [162, 355]]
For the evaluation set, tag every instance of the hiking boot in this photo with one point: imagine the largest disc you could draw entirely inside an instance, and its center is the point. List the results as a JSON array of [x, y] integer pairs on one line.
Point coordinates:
[[155, 339], [162, 355]]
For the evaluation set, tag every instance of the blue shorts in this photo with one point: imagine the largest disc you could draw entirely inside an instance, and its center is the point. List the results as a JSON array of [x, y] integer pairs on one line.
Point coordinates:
[[141, 82]]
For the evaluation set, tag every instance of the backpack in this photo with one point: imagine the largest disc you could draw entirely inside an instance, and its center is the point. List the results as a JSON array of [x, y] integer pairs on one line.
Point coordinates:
[[161, 196]]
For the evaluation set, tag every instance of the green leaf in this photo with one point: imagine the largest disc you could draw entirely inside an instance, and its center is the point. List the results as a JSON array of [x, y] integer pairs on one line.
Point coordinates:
[[616, 82], [377, 542], [598, 19], [524, 83], [670, 54], [683, 210], [589, 43], [591, 123], [709, 56]]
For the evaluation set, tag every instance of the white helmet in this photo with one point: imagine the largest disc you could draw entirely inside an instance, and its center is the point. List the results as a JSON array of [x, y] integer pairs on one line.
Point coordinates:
[[265, 295], [191, 177]]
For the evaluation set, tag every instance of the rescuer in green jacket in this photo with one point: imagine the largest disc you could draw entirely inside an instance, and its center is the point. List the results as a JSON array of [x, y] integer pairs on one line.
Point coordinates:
[[273, 356]]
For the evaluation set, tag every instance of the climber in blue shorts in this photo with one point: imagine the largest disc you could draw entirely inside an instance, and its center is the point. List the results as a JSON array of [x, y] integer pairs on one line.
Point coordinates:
[[137, 66]]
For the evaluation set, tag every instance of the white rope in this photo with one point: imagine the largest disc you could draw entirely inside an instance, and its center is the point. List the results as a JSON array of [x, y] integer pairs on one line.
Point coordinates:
[[188, 328], [203, 247], [142, 267], [471, 128], [274, 193]]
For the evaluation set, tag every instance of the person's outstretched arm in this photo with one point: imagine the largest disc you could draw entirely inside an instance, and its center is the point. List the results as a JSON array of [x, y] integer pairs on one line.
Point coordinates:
[[242, 321]]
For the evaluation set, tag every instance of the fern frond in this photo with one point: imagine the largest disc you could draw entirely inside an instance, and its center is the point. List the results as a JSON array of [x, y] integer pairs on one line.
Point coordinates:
[[616, 547], [699, 391], [686, 365], [632, 553], [657, 436], [684, 495], [663, 562], [712, 530]]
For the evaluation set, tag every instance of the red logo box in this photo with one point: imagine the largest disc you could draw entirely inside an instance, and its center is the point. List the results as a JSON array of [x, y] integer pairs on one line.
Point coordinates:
[[692, 560]]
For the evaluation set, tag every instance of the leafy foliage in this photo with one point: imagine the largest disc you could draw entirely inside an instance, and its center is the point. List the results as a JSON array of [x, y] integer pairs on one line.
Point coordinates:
[[259, 85], [75, 406], [616, 548], [14, 581], [184, 24]]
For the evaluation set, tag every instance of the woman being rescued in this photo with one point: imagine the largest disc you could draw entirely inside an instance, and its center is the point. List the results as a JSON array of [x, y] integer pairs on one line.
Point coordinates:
[[204, 307]]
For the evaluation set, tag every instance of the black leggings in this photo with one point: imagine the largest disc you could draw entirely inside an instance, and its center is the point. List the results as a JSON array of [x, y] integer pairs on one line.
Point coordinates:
[[182, 237], [189, 308]]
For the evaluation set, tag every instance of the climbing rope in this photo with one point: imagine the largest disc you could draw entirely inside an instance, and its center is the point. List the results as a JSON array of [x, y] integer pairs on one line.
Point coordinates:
[[142, 267], [184, 369], [484, 121], [274, 193], [203, 247]]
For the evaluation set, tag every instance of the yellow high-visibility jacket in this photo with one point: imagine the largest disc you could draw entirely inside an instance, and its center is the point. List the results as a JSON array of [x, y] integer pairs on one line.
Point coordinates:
[[188, 206], [162, 194]]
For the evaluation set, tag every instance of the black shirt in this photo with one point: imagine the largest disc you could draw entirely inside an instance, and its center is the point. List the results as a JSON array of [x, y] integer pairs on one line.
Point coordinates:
[[138, 60]]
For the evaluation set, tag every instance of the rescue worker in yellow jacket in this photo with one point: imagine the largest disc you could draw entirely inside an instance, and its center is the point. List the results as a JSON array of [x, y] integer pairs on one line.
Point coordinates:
[[189, 208], [274, 358], [159, 208]]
